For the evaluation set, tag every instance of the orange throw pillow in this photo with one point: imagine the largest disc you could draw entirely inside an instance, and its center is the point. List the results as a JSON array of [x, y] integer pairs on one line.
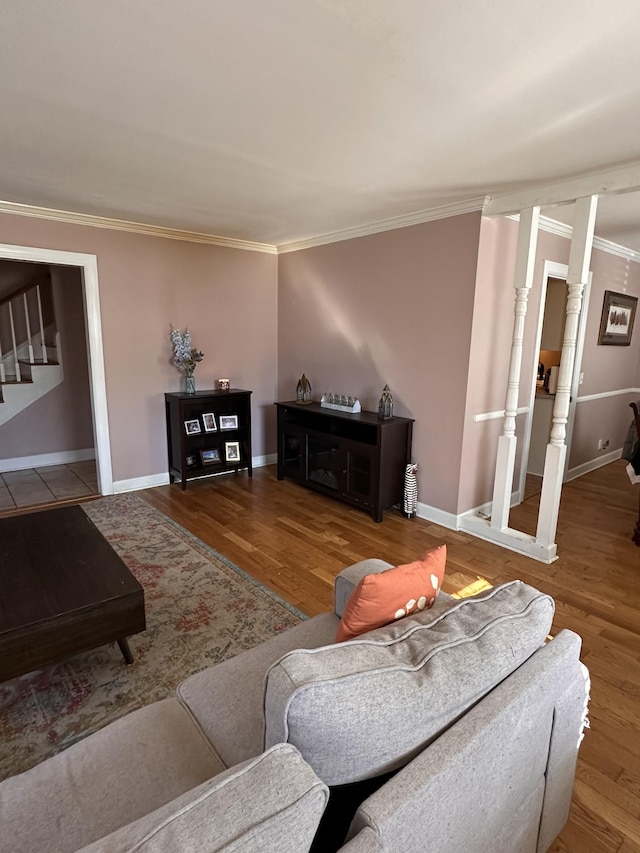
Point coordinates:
[[380, 598]]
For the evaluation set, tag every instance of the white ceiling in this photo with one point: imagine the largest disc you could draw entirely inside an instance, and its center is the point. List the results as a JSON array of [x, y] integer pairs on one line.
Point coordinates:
[[281, 120]]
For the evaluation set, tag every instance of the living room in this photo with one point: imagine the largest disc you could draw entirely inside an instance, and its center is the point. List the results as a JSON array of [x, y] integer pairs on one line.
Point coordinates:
[[355, 300]]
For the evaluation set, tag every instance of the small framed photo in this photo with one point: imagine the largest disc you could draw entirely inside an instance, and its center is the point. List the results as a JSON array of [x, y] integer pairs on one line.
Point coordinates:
[[232, 450], [192, 427], [209, 421], [209, 457], [191, 461], [228, 422], [616, 322]]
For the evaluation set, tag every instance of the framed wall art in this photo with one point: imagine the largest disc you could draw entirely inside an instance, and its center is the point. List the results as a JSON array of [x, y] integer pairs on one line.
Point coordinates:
[[616, 323]]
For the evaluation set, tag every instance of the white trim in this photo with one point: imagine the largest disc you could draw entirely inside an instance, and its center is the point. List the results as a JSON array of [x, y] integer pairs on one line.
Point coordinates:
[[513, 540], [43, 460], [420, 216], [153, 480], [261, 461], [603, 394], [561, 229], [593, 464], [496, 416], [137, 483], [88, 265], [437, 516], [620, 179], [133, 227]]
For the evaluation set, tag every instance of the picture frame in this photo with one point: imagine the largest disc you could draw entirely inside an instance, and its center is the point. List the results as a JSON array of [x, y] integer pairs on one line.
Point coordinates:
[[209, 422], [192, 427], [232, 451], [228, 422], [616, 322], [191, 461], [210, 456]]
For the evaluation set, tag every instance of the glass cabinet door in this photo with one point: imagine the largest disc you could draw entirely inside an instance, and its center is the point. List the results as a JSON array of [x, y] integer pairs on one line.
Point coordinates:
[[292, 452], [324, 462], [359, 477]]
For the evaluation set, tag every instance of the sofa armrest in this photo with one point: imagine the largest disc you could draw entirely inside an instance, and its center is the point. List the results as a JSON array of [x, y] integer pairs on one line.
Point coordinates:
[[349, 578]]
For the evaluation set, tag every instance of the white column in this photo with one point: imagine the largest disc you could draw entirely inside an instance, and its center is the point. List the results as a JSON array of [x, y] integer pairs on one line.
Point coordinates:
[[505, 461], [579, 259]]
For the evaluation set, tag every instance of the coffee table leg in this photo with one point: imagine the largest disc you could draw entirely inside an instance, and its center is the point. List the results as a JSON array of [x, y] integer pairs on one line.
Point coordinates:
[[126, 651]]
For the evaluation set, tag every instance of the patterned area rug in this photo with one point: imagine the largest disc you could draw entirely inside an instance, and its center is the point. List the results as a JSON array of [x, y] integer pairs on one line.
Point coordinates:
[[200, 609]]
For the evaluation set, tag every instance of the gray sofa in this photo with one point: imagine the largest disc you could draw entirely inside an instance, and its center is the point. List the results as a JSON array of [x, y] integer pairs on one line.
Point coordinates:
[[453, 730]]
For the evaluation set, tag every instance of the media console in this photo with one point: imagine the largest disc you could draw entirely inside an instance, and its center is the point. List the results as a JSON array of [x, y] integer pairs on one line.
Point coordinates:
[[357, 458]]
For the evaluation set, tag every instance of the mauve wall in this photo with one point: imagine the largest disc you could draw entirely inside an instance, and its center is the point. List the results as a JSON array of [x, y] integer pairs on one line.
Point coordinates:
[[227, 297], [605, 368], [61, 420], [391, 308]]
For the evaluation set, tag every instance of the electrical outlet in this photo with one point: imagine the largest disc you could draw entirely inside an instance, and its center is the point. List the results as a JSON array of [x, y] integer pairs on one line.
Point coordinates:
[[603, 443]]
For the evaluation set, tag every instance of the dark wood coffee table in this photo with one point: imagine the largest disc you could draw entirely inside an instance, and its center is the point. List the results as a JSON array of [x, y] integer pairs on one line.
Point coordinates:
[[63, 590]]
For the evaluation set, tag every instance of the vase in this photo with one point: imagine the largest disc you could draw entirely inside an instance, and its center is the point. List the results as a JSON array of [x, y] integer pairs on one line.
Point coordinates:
[[189, 383]]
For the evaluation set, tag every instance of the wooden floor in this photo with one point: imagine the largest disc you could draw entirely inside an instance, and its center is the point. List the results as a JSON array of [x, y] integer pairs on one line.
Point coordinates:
[[295, 542]]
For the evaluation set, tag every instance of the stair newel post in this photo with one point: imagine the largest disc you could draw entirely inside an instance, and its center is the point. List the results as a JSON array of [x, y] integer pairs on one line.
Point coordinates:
[[28, 325], [507, 443], [13, 342], [43, 343], [554, 464]]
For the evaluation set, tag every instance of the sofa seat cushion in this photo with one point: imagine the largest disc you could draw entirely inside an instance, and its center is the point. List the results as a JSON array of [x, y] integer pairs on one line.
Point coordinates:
[[270, 804], [146, 759], [367, 706], [227, 699]]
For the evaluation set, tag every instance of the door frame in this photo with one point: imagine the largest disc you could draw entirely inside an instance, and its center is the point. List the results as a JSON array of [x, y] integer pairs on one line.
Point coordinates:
[[553, 269], [88, 265]]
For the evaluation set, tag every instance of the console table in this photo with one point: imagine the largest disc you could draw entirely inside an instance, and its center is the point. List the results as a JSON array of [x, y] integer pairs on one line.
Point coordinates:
[[208, 432], [357, 458]]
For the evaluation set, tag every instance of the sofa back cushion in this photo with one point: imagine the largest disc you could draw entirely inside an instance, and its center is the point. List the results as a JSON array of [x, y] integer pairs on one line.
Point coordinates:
[[361, 708], [269, 804]]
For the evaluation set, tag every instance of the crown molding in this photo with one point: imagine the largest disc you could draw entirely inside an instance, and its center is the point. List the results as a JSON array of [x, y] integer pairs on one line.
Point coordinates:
[[561, 229], [132, 227], [442, 212]]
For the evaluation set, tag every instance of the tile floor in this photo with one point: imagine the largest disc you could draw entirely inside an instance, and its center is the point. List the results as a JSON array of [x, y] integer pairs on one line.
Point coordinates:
[[50, 485]]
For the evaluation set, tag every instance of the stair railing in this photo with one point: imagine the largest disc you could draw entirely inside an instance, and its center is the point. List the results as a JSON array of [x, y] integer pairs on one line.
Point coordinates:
[[20, 326]]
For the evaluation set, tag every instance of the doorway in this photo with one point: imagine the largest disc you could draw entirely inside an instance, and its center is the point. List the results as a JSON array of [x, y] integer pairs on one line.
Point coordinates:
[[88, 267]]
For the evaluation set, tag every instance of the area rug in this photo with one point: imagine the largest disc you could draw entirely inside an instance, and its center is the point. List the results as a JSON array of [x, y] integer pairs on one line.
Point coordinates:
[[200, 609]]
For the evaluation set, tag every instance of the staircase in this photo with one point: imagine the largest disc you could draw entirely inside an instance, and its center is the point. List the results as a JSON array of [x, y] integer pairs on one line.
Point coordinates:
[[30, 357]]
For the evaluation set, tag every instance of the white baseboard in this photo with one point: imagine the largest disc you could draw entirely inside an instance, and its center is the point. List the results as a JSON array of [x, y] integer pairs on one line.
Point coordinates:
[[42, 460], [137, 483], [437, 516], [593, 464], [261, 461]]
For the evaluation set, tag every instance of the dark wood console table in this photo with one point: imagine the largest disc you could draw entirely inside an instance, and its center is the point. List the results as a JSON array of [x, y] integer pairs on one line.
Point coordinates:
[[358, 458], [63, 590]]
